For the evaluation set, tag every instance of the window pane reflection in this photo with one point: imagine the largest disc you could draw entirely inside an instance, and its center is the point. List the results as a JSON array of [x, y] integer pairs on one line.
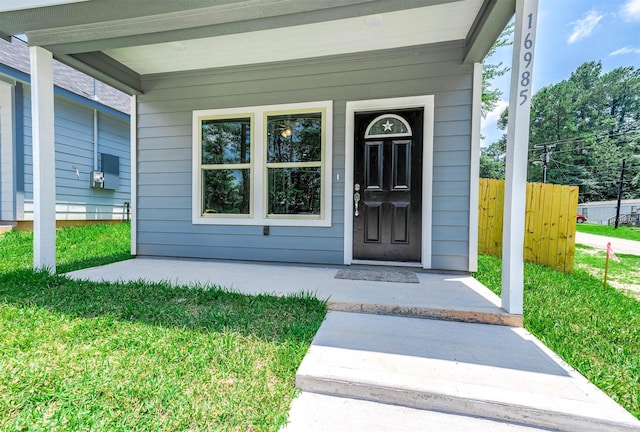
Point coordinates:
[[294, 138], [294, 191], [226, 191], [226, 141]]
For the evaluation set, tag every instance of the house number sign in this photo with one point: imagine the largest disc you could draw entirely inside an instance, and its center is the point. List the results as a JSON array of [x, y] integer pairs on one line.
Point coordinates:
[[527, 38]]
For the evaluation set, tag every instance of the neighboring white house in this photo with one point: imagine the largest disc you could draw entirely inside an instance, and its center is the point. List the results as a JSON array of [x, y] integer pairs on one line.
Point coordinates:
[[92, 134], [602, 212]]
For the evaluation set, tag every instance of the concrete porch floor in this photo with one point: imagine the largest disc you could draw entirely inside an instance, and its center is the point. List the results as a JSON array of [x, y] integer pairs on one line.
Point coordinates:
[[454, 297]]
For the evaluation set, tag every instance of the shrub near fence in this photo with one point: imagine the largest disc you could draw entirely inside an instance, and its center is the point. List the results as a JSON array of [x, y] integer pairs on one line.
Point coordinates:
[[550, 222]]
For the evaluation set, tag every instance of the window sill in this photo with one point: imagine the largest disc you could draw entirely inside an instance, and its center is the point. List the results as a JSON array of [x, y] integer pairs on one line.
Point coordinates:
[[303, 221]]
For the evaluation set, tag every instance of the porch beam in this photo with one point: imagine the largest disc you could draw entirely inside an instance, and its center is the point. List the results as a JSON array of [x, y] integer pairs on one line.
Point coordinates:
[[106, 69], [44, 171], [493, 17], [516, 161]]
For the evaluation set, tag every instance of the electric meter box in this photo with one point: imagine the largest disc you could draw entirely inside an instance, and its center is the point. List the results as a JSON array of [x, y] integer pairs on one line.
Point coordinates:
[[96, 179]]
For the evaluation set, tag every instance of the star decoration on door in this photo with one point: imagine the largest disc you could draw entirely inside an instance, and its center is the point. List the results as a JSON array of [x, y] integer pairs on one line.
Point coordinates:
[[387, 125]]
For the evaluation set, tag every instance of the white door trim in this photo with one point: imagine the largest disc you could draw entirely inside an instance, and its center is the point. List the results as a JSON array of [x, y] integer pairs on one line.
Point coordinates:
[[426, 102], [474, 186]]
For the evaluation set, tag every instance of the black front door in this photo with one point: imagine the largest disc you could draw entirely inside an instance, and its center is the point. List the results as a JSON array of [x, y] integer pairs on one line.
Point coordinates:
[[387, 189]]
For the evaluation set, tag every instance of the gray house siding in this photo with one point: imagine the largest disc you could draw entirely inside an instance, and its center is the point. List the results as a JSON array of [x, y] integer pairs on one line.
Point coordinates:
[[74, 135], [164, 146]]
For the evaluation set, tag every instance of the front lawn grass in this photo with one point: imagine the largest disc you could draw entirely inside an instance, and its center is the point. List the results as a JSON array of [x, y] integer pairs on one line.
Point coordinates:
[[623, 232], [76, 247], [595, 330], [78, 355]]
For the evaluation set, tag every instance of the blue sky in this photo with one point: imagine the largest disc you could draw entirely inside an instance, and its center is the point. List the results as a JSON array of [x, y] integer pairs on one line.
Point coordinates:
[[569, 33]]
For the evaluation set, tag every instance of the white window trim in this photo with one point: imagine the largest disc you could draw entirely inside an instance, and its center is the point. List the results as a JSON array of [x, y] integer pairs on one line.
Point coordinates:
[[258, 213]]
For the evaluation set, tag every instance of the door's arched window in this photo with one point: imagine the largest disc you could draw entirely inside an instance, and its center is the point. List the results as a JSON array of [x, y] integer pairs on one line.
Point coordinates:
[[388, 125]]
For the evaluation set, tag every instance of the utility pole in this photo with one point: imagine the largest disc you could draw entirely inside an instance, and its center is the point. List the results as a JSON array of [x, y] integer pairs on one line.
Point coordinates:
[[624, 162], [545, 158]]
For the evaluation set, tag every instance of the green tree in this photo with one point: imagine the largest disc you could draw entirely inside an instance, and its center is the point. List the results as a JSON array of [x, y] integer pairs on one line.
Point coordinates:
[[491, 71], [492, 157], [588, 124], [492, 162]]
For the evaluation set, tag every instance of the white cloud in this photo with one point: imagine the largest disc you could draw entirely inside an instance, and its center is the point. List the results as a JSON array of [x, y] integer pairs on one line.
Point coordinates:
[[631, 10], [583, 27], [625, 50], [488, 124], [493, 115]]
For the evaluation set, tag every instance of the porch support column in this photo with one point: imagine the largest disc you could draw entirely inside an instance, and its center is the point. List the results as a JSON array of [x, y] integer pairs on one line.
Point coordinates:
[[516, 161], [133, 134], [44, 170]]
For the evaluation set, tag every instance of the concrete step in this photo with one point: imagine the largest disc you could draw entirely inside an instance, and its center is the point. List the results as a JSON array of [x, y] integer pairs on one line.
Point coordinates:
[[311, 412], [487, 371], [497, 316]]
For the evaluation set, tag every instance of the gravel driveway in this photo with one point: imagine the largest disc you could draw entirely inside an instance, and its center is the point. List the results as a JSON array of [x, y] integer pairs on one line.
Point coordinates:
[[600, 242]]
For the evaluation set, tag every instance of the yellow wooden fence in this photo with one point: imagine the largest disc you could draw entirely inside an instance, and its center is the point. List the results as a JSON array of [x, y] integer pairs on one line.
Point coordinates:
[[550, 222]]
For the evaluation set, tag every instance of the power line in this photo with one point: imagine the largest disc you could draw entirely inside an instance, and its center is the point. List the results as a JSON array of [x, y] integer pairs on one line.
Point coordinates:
[[594, 136]]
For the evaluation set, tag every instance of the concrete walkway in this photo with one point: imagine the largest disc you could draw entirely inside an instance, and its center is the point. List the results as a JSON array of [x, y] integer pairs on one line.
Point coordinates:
[[374, 372], [622, 246]]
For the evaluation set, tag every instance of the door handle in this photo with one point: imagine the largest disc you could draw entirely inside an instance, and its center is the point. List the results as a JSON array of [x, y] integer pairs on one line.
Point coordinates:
[[356, 198]]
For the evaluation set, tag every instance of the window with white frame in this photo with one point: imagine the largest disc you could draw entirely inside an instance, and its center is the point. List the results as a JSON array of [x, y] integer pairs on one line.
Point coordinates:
[[225, 165], [263, 165]]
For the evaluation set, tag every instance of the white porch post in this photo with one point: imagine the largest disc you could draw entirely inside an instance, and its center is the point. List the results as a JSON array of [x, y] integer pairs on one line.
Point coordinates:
[[133, 134], [517, 149], [44, 170]]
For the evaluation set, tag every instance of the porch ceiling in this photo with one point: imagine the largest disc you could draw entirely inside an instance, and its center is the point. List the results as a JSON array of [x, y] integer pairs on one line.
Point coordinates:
[[119, 41]]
